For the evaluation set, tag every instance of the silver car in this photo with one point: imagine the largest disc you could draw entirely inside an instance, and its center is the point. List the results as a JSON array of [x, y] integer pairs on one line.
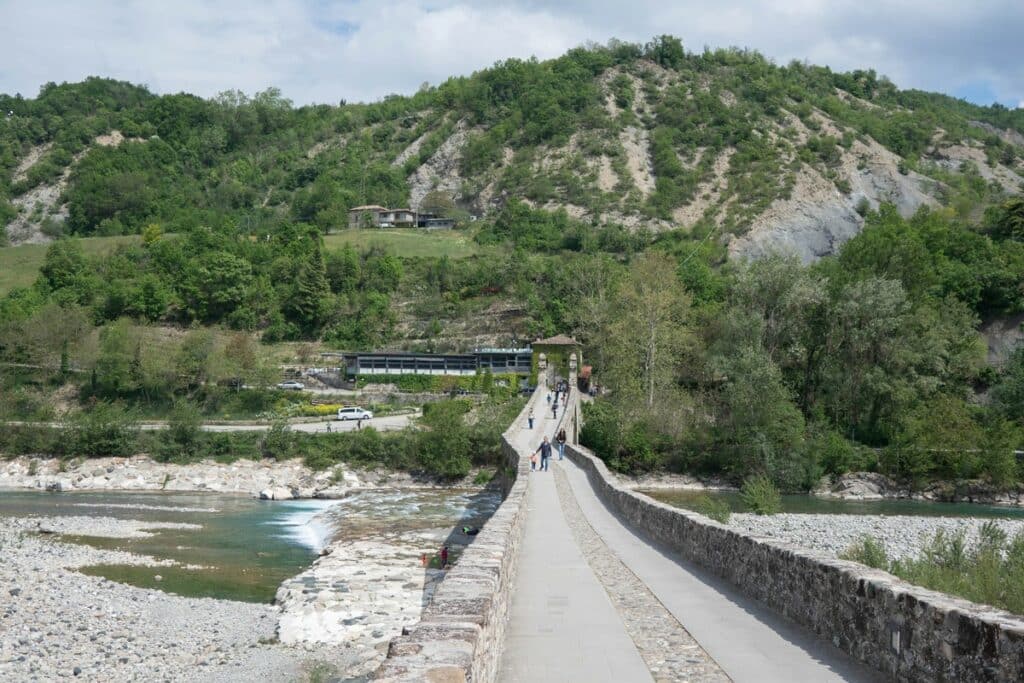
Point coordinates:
[[354, 413], [292, 384]]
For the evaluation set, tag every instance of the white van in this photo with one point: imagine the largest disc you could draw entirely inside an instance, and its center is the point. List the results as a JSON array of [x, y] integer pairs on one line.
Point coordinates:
[[354, 413]]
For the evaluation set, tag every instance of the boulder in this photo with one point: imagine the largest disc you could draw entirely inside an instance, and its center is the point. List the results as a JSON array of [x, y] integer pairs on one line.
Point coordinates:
[[276, 493], [863, 486], [60, 485]]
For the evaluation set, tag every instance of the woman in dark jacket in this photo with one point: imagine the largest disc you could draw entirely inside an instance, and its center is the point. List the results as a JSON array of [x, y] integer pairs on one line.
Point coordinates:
[[561, 444]]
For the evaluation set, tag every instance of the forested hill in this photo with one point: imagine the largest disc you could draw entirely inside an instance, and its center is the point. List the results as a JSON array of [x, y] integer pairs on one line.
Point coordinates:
[[647, 137]]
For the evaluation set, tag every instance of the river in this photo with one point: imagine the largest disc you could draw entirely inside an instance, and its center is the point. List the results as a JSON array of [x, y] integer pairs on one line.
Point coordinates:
[[243, 548]]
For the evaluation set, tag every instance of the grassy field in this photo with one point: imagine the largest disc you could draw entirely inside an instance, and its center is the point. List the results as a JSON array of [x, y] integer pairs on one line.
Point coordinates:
[[408, 242], [19, 265]]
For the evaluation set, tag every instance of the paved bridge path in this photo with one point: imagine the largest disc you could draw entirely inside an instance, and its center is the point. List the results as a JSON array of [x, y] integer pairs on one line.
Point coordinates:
[[594, 601]]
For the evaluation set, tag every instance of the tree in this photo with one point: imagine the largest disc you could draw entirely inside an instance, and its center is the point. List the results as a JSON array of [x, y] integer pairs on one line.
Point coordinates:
[[938, 437], [55, 334], [757, 421], [1008, 221], [307, 305], [65, 272], [1008, 393], [118, 354], [343, 270], [215, 284], [666, 51], [443, 446], [593, 281], [647, 334], [192, 360], [239, 359]]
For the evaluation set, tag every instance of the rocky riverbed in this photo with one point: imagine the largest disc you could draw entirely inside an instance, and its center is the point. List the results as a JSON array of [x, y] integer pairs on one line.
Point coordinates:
[[274, 479], [371, 582], [268, 478], [903, 536], [58, 624], [58, 619]]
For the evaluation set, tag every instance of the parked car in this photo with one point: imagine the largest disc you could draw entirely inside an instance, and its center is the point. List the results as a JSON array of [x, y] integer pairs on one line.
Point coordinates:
[[354, 413], [291, 384]]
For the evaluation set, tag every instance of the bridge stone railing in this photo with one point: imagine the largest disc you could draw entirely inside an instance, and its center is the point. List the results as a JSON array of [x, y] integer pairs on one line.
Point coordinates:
[[906, 632], [460, 634]]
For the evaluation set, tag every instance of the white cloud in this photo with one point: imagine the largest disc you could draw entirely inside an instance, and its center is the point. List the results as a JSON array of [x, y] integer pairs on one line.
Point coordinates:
[[321, 51]]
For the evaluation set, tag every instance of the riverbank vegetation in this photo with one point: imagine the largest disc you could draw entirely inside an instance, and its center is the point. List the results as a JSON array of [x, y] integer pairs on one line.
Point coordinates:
[[451, 438], [989, 570], [869, 360]]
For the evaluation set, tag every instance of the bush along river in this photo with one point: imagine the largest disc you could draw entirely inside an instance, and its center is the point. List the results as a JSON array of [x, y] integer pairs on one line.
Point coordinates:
[[903, 527], [201, 586]]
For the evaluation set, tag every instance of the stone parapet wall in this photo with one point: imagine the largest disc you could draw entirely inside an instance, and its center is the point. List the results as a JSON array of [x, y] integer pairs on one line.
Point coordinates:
[[460, 633], [906, 632]]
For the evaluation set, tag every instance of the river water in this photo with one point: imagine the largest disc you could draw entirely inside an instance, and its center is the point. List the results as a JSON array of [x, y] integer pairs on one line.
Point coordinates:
[[245, 547], [804, 504]]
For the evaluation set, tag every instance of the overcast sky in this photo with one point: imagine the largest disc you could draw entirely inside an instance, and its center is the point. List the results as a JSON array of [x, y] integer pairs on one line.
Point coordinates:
[[324, 50]]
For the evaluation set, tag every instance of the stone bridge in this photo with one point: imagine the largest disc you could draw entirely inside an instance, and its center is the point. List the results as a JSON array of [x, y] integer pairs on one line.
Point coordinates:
[[576, 578]]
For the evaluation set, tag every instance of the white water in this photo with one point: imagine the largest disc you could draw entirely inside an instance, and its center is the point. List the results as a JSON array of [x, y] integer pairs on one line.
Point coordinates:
[[303, 525]]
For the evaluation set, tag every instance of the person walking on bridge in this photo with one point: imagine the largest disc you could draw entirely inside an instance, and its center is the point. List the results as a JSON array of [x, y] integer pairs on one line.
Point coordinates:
[[545, 452], [554, 410], [561, 439]]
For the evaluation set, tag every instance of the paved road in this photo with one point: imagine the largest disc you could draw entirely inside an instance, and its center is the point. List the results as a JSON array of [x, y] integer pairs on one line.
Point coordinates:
[[563, 626], [381, 424]]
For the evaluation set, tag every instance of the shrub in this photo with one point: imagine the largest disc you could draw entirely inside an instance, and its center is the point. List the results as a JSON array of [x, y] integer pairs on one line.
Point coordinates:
[[836, 454], [182, 440], [443, 447], [230, 446], [713, 508], [483, 477], [278, 442], [868, 552], [760, 495], [602, 429], [104, 430], [989, 572], [31, 440]]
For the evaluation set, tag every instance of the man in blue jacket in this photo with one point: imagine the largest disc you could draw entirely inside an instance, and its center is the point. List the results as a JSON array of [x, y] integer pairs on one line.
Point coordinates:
[[545, 452]]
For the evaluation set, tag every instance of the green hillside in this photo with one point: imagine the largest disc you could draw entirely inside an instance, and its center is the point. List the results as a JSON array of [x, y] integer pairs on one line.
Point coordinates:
[[774, 269], [638, 135]]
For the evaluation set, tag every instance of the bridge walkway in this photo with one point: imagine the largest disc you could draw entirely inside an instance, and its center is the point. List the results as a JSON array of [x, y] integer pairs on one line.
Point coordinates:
[[564, 627]]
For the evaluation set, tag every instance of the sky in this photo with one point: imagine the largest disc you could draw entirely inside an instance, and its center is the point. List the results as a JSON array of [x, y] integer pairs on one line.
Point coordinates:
[[323, 51]]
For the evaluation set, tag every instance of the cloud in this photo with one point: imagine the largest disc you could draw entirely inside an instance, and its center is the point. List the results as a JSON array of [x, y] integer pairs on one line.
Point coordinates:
[[322, 51]]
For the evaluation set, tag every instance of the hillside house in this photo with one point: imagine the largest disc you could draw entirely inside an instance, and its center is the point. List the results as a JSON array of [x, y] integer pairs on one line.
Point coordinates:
[[376, 216], [365, 216]]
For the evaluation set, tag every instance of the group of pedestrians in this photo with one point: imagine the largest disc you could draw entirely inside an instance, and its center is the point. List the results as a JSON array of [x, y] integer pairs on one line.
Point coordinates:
[[540, 457], [561, 390], [544, 452]]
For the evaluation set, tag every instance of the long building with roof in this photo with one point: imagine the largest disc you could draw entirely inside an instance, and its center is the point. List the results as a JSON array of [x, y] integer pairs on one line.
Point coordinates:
[[493, 360]]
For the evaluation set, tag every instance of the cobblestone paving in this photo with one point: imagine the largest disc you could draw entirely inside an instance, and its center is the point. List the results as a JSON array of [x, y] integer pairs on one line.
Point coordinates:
[[669, 651]]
